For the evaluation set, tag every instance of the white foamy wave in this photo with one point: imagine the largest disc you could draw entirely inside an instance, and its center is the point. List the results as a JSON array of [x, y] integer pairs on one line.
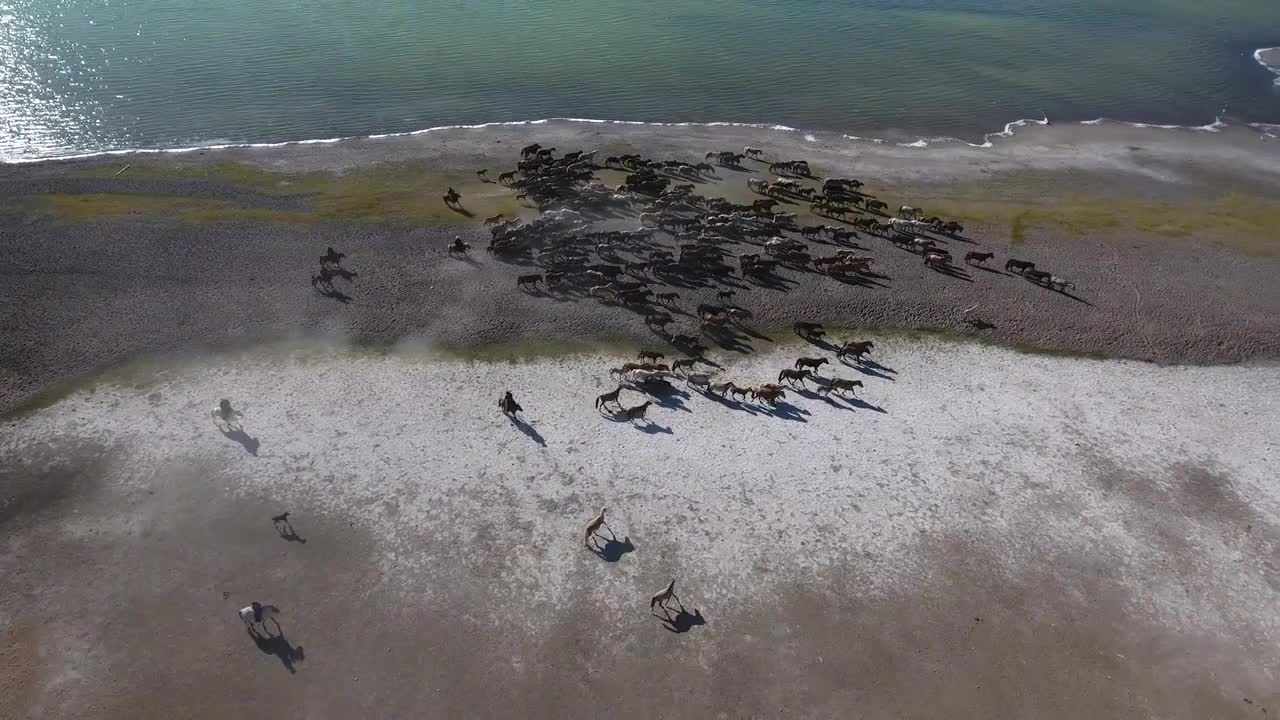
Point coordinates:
[[987, 141], [1259, 54], [1271, 130], [1217, 125]]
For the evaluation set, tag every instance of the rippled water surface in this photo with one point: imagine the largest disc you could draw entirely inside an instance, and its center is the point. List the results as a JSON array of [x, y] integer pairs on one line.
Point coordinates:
[[87, 75]]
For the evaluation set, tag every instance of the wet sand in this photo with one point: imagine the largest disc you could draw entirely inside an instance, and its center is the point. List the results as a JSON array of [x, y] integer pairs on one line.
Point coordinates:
[[93, 292], [981, 533]]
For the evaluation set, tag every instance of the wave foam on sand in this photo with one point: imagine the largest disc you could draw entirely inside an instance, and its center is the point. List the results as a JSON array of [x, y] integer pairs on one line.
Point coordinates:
[[988, 140], [1269, 58]]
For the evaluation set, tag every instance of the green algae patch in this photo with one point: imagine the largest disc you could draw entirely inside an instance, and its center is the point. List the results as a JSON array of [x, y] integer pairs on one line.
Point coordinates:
[[402, 195]]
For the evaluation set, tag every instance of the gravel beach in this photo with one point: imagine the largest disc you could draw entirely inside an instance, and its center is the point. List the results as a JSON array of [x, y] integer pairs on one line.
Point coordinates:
[[993, 527], [980, 533]]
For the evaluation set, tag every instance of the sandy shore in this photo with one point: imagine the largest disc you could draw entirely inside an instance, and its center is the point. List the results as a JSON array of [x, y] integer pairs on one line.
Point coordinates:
[[1167, 235], [983, 533]]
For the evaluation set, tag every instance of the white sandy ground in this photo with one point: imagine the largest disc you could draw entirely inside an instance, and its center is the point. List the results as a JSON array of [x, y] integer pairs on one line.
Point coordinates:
[[1161, 478]]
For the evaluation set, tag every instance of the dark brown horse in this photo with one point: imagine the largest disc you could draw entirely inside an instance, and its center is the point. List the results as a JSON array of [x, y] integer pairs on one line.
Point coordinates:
[[806, 362], [978, 257], [791, 376], [609, 397], [809, 329], [508, 405], [1019, 266], [839, 386], [856, 349], [637, 413]]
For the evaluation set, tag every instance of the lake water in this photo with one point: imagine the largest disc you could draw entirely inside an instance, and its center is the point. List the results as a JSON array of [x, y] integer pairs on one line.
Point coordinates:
[[88, 75]]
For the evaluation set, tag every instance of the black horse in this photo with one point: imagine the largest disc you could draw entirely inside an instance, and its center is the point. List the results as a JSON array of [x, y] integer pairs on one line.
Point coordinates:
[[508, 405]]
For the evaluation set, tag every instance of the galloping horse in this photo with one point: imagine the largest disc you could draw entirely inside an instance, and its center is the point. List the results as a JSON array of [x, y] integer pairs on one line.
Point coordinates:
[[508, 405], [257, 613]]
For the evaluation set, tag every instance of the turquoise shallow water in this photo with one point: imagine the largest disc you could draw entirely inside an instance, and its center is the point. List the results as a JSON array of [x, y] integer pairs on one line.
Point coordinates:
[[88, 75]]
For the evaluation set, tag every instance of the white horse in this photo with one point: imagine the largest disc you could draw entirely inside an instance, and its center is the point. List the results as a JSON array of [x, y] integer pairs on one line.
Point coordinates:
[[257, 613], [1061, 284]]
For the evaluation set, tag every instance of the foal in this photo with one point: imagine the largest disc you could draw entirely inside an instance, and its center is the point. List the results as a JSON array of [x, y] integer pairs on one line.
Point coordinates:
[[662, 598], [593, 529]]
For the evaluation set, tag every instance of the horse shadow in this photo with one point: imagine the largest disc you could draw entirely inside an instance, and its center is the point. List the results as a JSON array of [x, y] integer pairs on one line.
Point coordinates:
[[732, 404], [237, 433], [528, 430], [786, 411], [334, 293], [613, 548], [871, 369], [649, 427], [730, 341], [857, 280], [818, 342], [1077, 298], [980, 324], [989, 269], [857, 403], [951, 271], [279, 646], [749, 332], [664, 394], [683, 622], [285, 530], [461, 211]]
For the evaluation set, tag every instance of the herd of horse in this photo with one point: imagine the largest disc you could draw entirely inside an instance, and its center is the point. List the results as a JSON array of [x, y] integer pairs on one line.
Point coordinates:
[[686, 239], [649, 373], [583, 244]]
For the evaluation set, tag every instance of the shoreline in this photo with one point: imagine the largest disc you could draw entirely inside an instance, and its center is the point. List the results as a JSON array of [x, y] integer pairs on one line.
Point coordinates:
[[1169, 236], [1269, 130], [1269, 58]]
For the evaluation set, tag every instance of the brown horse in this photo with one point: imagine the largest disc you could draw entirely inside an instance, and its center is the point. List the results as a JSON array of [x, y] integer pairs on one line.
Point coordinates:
[[661, 599], [791, 376], [768, 394], [528, 281], [856, 349], [978, 257], [650, 355]]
